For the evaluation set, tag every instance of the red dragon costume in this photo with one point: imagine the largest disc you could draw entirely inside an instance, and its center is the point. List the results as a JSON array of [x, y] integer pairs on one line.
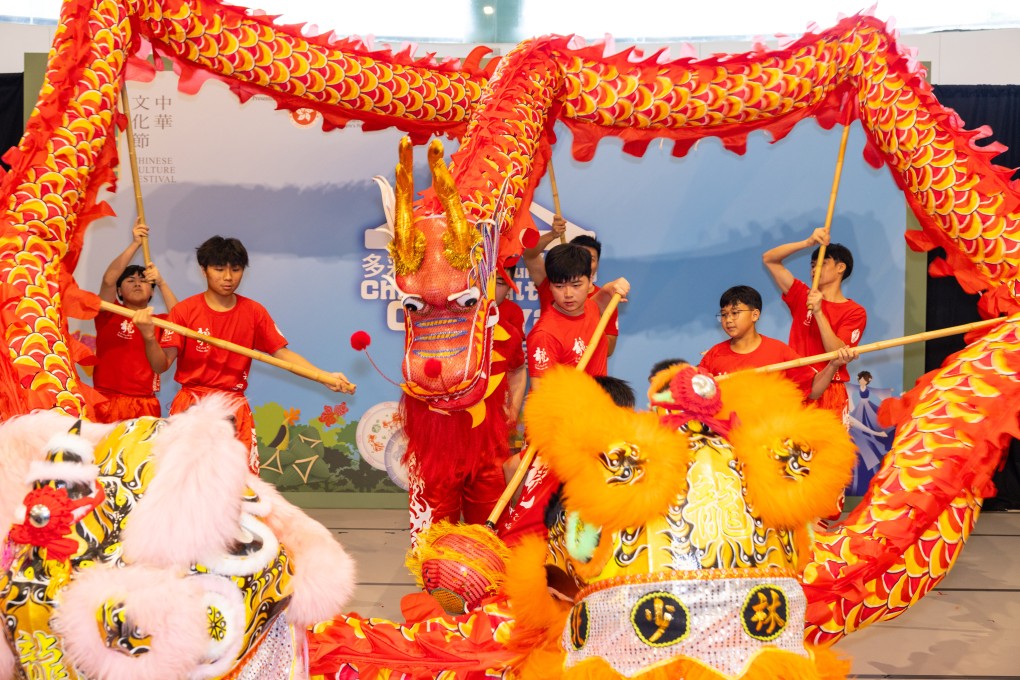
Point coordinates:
[[913, 522]]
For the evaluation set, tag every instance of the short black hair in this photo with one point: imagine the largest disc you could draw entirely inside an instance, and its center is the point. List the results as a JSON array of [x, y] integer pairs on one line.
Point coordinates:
[[749, 296], [587, 241], [129, 270], [619, 390], [566, 262], [866, 375], [839, 253], [219, 251], [663, 365]]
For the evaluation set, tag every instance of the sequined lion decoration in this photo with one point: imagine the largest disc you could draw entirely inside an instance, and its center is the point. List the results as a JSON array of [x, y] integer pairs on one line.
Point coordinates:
[[677, 540], [146, 550]]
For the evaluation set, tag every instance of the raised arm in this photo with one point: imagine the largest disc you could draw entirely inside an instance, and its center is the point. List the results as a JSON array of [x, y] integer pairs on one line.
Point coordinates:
[[153, 276], [773, 259], [830, 340], [108, 287], [533, 258]]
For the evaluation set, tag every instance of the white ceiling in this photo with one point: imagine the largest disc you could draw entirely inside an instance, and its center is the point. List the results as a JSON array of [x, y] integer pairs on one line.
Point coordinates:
[[469, 20]]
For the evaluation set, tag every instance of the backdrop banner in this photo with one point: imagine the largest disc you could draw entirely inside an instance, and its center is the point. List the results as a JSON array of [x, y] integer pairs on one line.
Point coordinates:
[[305, 206]]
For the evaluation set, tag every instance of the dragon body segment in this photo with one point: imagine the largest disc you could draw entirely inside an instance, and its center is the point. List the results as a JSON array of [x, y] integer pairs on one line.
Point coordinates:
[[65, 156], [343, 79], [910, 527], [916, 517]]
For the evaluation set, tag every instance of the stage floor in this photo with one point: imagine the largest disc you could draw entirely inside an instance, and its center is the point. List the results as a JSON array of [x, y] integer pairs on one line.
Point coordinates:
[[963, 629]]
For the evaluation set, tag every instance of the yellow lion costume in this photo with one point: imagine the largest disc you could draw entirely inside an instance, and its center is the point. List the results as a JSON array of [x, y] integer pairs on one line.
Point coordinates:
[[674, 553]]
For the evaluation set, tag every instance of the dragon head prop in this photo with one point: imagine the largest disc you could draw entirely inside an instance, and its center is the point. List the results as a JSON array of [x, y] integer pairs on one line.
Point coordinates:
[[146, 549], [445, 270], [675, 535]]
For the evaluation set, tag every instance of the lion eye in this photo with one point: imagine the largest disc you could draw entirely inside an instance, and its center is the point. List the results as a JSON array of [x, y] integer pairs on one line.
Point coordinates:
[[468, 298], [413, 303]]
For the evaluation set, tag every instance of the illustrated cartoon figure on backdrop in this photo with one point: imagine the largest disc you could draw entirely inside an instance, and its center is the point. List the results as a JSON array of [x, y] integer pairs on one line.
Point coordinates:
[[873, 441]]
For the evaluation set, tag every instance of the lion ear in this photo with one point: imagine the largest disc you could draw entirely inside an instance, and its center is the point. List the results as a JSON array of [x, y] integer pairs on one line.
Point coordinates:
[[796, 459], [618, 467]]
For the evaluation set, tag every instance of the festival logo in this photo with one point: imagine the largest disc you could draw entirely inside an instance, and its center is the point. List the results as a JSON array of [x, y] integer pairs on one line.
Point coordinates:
[[303, 117]]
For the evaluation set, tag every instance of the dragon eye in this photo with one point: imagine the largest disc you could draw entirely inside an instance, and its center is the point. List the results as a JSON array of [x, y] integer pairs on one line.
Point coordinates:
[[413, 303], [468, 298]]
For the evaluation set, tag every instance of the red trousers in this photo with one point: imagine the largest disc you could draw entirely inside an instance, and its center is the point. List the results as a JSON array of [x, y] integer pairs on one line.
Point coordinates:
[[470, 498], [124, 407], [244, 421], [835, 399]]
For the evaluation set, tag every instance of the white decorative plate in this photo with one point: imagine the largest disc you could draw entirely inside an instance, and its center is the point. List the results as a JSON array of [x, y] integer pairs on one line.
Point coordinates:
[[375, 428], [395, 467]]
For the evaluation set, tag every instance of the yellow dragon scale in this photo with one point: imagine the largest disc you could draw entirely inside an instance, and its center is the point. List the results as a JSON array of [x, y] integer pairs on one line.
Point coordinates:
[[919, 512]]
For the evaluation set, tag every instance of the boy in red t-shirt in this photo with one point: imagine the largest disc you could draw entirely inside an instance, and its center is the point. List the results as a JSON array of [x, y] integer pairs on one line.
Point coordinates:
[[739, 311], [564, 330], [824, 320], [535, 263], [122, 373], [221, 313]]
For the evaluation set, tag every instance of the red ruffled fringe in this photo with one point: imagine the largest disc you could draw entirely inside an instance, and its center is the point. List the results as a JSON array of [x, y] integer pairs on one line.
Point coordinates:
[[445, 445], [428, 643]]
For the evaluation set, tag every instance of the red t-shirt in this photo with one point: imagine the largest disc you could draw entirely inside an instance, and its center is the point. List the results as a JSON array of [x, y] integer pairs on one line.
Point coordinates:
[[528, 515], [847, 320], [511, 319], [121, 365], [545, 300], [561, 339], [201, 365], [721, 359]]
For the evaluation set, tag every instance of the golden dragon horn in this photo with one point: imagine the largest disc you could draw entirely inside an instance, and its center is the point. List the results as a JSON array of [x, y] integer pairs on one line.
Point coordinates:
[[408, 245], [459, 237]]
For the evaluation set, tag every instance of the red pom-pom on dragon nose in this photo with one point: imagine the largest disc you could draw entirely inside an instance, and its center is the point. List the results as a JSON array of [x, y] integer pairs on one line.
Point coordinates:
[[433, 367]]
